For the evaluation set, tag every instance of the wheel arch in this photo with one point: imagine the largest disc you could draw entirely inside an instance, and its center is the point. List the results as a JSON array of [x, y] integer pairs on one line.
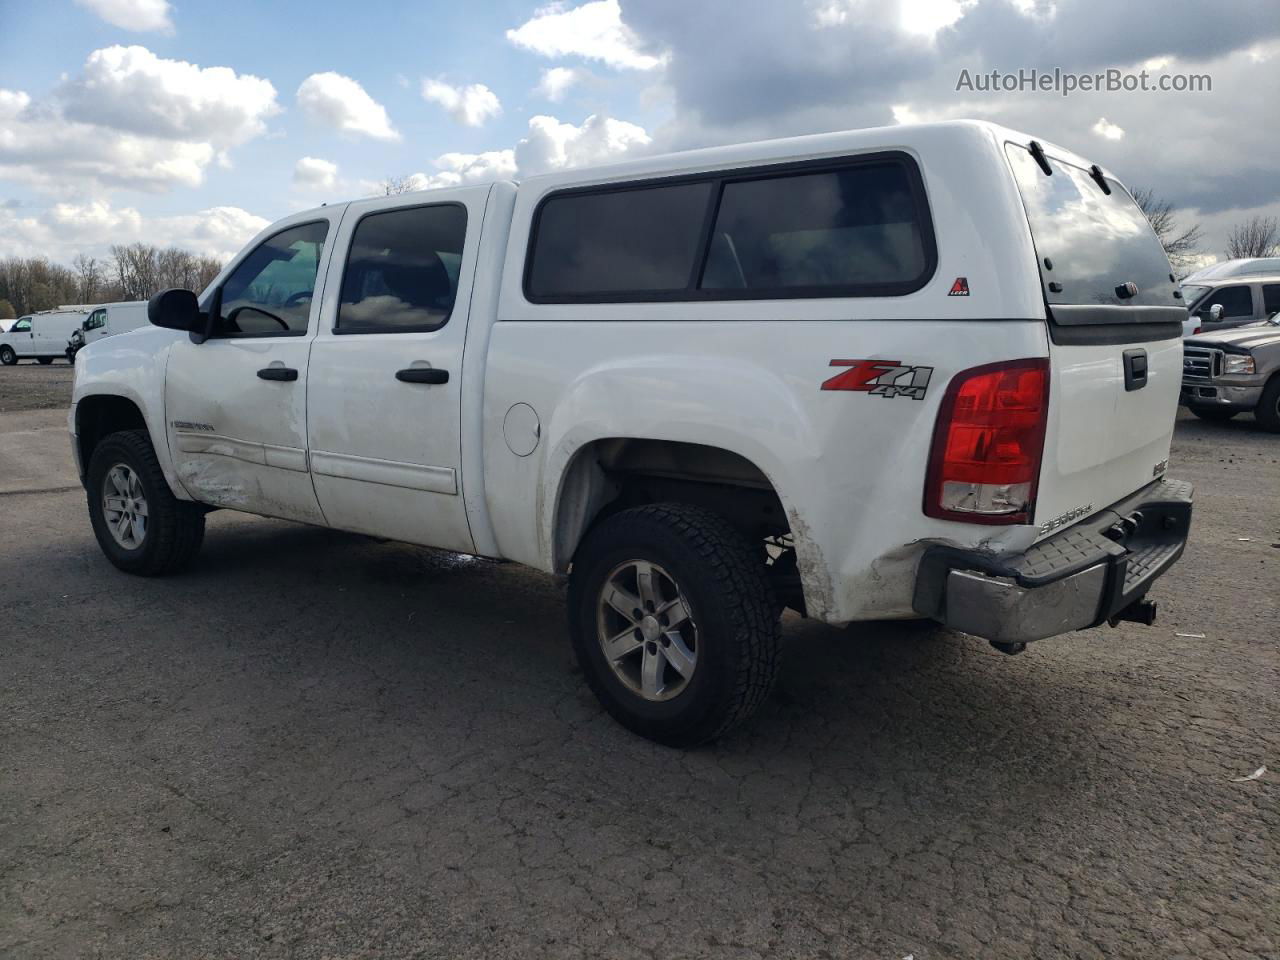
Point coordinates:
[[100, 414], [608, 474]]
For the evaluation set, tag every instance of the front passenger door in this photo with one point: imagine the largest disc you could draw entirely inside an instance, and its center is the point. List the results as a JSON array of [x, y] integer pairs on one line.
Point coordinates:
[[1237, 307], [236, 404]]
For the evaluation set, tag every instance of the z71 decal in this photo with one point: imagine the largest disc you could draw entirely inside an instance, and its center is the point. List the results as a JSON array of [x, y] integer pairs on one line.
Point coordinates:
[[882, 378]]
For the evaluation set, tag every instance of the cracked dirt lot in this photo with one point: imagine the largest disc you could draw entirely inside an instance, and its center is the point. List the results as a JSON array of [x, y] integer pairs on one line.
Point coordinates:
[[317, 745]]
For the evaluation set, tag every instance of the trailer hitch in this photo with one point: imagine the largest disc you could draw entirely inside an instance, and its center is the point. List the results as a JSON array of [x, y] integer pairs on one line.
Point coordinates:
[[1140, 611]]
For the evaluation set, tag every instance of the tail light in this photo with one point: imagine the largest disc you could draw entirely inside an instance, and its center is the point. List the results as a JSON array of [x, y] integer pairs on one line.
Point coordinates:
[[1196, 331], [985, 463]]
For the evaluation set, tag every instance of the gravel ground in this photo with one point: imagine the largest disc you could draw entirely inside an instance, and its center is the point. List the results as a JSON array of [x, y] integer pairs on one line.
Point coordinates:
[[318, 745], [29, 385]]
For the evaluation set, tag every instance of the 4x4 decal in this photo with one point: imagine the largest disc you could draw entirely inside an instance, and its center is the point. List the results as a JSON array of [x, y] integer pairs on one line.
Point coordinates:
[[882, 378]]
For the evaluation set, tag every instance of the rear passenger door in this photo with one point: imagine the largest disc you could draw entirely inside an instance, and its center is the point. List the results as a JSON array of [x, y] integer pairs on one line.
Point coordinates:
[[384, 391]]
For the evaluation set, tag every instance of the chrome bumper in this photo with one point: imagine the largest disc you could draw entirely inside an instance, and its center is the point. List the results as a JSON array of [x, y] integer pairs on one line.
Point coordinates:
[[1082, 577], [1216, 394]]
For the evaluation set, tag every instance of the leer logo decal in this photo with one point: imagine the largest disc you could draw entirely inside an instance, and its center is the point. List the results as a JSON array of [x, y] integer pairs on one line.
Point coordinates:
[[881, 378], [960, 288]]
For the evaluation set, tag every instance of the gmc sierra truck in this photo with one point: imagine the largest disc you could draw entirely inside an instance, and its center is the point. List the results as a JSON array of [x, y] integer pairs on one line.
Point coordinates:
[[913, 372]]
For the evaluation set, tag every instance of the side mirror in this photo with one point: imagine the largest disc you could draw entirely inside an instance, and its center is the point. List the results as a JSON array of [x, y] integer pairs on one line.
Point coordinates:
[[1215, 313], [175, 309]]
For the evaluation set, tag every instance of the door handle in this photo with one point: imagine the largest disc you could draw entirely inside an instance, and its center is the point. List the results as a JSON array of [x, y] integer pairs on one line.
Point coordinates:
[[1135, 369], [422, 375], [277, 373]]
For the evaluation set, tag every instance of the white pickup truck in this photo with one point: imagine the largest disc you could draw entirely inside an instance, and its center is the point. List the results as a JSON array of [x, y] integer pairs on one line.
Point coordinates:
[[915, 372]]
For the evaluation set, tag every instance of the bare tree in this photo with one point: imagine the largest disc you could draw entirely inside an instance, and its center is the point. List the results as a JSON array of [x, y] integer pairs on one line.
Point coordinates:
[[33, 283], [1181, 245], [1256, 237], [394, 186], [133, 272], [89, 273], [137, 270], [6, 310]]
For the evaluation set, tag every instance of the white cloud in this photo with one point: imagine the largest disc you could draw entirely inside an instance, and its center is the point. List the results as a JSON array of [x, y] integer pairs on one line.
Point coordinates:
[[471, 105], [556, 82], [131, 119], [340, 102], [312, 173], [455, 170], [479, 167], [65, 229], [593, 30], [551, 144], [137, 15], [131, 89], [1107, 130], [42, 148], [554, 145]]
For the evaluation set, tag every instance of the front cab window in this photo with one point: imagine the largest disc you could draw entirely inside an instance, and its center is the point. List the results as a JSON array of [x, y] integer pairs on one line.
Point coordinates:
[[269, 294]]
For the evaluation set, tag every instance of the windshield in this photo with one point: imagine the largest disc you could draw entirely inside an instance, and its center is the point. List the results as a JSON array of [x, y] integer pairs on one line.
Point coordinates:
[[1191, 292], [1090, 243]]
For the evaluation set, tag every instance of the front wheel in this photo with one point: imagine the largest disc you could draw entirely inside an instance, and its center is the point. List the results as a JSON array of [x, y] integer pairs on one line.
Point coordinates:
[[7, 356], [674, 622], [1268, 409], [139, 524]]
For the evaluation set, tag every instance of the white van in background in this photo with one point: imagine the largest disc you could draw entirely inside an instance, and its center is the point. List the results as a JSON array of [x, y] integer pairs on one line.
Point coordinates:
[[106, 321], [40, 336]]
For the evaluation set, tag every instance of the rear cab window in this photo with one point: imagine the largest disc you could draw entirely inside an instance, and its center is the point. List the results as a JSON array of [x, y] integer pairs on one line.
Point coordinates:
[[1100, 262], [858, 227]]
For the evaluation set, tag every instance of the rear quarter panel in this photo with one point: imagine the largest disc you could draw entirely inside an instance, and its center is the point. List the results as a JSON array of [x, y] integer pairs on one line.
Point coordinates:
[[746, 376]]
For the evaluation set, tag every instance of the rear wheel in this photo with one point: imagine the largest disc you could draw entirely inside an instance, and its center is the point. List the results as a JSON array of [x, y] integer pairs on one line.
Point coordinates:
[[1214, 414], [139, 524], [674, 622], [7, 356], [1268, 409]]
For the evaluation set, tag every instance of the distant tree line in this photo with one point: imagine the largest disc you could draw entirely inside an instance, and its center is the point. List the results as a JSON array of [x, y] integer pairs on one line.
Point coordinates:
[[131, 272]]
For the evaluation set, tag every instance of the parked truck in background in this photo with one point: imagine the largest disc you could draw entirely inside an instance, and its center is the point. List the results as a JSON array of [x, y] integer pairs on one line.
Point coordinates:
[[1235, 371], [922, 371]]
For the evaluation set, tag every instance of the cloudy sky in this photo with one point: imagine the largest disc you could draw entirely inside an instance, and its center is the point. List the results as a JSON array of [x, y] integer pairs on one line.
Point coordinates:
[[196, 123]]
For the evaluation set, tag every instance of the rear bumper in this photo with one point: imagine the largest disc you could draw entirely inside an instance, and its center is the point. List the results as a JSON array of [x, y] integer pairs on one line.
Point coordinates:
[[1079, 578]]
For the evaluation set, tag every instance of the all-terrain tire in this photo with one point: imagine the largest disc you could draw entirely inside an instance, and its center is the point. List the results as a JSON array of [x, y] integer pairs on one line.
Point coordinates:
[[731, 604], [174, 528], [1268, 410]]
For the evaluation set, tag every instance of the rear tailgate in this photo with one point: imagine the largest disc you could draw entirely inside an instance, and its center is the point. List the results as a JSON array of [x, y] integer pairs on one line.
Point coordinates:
[[1115, 328]]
